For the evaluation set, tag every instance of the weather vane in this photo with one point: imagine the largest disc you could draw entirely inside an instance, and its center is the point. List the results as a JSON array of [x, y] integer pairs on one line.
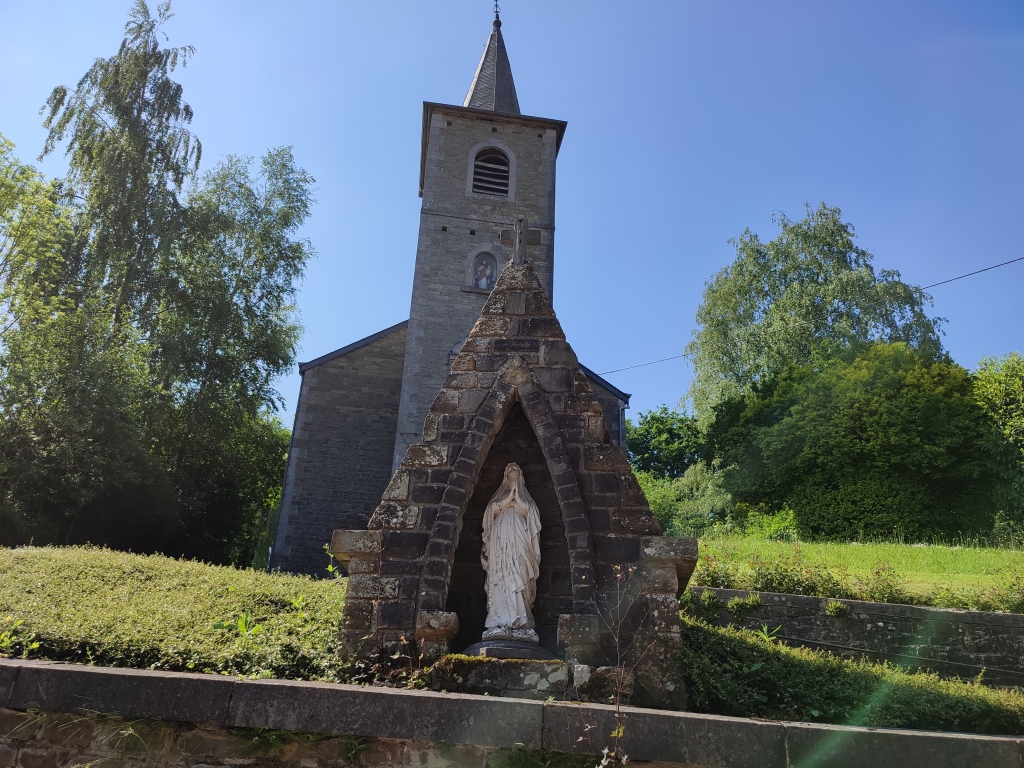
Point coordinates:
[[497, 10]]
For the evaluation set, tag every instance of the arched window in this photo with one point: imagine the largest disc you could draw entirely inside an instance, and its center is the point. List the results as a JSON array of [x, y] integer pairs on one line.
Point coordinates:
[[491, 172], [485, 271]]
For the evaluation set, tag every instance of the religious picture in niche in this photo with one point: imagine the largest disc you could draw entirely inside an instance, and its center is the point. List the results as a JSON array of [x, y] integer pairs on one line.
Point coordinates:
[[485, 271], [511, 560]]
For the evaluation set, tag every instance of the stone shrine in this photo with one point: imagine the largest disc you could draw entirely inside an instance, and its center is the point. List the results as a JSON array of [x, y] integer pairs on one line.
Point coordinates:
[[608, 581]]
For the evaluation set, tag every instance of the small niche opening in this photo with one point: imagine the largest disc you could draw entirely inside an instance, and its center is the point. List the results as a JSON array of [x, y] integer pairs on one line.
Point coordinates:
[[516, 442]]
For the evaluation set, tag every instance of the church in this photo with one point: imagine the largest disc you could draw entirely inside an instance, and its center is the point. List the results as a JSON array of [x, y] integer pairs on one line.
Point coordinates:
[[484, 168]]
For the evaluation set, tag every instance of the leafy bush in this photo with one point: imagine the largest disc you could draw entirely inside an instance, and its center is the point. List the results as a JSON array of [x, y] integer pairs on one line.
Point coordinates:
[[795, 576], [663, 443], [96, 606], [836, 608], [999, 389], [711, 571], [1006, 596], [780, 526], [741, 606], [746, 674], [691, 505], [881, 440], [884, 585]]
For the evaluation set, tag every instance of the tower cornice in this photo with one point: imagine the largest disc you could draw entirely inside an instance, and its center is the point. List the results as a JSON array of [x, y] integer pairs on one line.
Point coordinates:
[[430, 107]]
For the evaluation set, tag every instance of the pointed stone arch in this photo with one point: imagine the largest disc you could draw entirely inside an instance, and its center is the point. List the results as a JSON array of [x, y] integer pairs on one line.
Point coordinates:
[[514, 383], [401, 567]]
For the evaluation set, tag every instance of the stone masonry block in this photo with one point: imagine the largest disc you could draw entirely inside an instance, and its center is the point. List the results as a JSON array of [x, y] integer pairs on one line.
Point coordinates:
[[391, 514], [344, 544], [364, 564], [492, 326], [515, 303], [396, 614], [426, 456], [398, 488], [557, 353], [680, 551], [545, 327], [635, 521], [464, 362], [373, 587], [470, 399], [554, 379], [660, 578], [462, 380], [604, 458], [445, 402]]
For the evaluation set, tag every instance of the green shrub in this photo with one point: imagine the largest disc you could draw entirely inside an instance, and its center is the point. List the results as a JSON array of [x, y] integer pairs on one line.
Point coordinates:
[[741, 606], [795, 576], [690, 505], [883, 439], [836, 609], [1006, 596], [884, 585], [780, 526], [97, 606], [712, 571], [745, 674]]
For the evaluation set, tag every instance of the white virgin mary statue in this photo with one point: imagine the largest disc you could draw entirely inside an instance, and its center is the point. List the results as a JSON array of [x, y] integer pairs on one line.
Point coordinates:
[[511, 559]]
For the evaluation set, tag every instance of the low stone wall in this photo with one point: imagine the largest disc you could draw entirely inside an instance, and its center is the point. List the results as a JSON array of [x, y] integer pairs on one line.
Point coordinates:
[[951, 643], [60, 715]]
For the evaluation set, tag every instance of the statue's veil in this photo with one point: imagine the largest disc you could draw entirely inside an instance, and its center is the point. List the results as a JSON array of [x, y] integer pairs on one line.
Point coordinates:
[[510, 487]]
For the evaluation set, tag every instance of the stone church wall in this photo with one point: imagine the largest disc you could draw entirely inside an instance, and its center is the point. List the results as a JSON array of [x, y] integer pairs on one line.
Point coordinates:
[[342, 442]]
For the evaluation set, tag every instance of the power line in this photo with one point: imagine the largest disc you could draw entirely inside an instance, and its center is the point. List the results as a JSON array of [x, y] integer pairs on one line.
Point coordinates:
[[976, 272], [641, 365], [924, 288]]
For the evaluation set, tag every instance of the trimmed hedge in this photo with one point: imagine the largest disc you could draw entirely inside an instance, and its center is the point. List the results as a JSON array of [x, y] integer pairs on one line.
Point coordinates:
[[747, 674], [96, 606], [90, 605]]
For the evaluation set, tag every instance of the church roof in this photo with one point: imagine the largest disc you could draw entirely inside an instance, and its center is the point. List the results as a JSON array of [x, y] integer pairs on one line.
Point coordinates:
[[303, 367], [493, 88]]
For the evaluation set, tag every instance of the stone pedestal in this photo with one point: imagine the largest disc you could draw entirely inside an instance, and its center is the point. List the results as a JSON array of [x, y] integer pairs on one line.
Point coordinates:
[[508, 649]]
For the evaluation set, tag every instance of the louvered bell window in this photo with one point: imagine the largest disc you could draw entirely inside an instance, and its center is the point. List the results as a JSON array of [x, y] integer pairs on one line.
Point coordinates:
[[490, 172]]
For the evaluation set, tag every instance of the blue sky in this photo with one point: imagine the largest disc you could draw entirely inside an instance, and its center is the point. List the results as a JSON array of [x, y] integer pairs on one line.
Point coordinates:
[[688, 122]]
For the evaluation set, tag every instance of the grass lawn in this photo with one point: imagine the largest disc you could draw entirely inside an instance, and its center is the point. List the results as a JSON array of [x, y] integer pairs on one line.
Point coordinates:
[[93, 605], [923, 568]]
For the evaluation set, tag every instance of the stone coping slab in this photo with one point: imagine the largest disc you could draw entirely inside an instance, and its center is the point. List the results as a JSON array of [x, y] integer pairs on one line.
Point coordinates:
[[423, 716]]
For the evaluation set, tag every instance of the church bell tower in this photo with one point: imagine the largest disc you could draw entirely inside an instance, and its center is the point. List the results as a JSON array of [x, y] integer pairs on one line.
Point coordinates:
[[484, 166]]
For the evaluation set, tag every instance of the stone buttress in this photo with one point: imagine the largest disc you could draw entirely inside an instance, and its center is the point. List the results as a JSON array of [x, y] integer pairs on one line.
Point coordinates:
[[516, 390]]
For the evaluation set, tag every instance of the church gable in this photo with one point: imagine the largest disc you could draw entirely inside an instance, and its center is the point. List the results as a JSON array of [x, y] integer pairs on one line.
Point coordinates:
[[516, 366]]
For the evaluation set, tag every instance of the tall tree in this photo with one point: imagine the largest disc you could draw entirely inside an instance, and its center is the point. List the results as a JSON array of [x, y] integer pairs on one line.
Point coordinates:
[[227, 331], [137, 399], [807, 295], [130, 154]]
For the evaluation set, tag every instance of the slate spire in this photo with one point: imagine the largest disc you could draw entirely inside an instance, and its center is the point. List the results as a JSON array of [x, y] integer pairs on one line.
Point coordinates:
[[492, 88]]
